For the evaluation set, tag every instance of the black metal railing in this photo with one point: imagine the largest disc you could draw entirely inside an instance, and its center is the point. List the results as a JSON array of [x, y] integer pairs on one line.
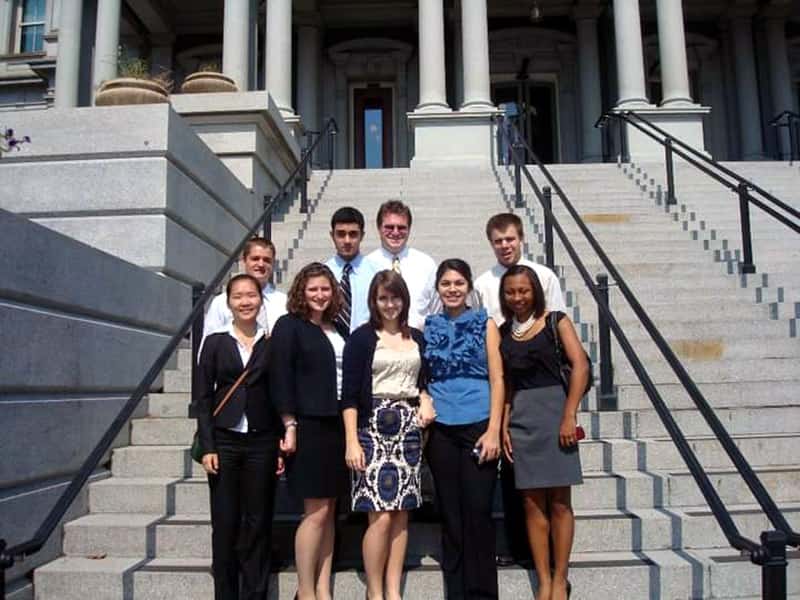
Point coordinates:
[[770, 551], [745, 189], [790, 121], [8, 555]]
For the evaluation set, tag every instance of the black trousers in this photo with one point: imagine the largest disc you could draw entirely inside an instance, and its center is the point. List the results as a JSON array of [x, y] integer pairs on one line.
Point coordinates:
[[514, 515], [464, 493], [242, 503]]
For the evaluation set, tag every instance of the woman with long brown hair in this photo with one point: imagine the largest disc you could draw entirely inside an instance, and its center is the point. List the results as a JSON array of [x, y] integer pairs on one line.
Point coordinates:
[[305, 376]]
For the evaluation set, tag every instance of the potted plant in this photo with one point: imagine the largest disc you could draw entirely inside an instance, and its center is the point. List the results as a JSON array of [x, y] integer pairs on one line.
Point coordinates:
[[135, 85], [208, 79], [8, 141]]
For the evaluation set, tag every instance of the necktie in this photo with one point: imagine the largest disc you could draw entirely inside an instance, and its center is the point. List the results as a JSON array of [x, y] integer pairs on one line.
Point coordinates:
[[396, 264], [343, 318]]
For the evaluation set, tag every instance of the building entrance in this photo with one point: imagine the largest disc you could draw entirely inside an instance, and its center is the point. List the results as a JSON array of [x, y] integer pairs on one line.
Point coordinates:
[[372, 123], [537, 116]]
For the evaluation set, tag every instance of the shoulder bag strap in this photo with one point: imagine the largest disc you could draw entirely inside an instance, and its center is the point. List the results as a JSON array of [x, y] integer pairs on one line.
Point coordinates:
[[230, 392]]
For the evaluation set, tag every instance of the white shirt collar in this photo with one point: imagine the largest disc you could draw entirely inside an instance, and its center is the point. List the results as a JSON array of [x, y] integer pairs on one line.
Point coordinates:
[[389, 255], [260, 332]]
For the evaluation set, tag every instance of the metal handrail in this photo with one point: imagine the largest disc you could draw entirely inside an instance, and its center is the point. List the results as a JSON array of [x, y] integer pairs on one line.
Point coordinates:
[[792, 124], [790, 115], [700, 158], [35, 543], [771, 550]]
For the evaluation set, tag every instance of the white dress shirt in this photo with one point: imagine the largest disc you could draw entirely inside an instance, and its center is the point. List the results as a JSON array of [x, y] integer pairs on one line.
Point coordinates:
[[219, 316], [488, 288], [244, 353], [419, 272]]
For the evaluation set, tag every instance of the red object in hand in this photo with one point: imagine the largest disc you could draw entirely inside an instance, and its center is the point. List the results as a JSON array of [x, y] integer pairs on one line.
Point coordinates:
[[580, 433]]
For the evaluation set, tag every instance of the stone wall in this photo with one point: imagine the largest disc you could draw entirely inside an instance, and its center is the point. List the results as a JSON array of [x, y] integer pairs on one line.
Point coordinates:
[[78, 329]]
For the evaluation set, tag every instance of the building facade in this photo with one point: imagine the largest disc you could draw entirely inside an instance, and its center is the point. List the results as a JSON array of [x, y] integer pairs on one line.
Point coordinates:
[[423, 79]]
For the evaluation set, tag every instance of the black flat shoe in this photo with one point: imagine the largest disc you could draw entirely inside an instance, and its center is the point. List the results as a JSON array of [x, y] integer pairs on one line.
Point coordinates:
[[504, 560]]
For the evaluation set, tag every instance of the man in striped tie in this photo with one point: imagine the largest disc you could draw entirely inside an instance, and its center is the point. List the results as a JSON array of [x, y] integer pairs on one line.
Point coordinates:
[[352, 269]]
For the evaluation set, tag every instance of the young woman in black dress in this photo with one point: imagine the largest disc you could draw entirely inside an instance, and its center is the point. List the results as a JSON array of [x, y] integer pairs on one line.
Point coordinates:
[[539, 432], [305, 376], [239, 430]]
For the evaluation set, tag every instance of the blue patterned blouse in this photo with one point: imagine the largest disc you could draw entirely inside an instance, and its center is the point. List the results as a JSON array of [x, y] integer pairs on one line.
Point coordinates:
[[458, 369]]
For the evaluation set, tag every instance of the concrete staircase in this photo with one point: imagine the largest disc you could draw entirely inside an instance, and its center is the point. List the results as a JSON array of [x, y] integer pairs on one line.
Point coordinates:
[[643, 530]]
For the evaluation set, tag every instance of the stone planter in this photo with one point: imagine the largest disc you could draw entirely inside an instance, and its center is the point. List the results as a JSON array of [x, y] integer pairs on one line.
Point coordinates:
[[127, 90], [205, 82]]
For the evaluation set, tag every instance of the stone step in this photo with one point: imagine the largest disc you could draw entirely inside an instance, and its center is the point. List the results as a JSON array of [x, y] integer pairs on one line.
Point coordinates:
[[754, 370], [733, 394]]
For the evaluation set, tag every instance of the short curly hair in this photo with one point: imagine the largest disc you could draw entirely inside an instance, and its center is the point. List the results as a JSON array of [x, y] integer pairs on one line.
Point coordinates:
[[296, 303]]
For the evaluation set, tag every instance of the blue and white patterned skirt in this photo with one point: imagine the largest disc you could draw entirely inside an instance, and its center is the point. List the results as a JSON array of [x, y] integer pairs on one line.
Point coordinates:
[[392, 444]]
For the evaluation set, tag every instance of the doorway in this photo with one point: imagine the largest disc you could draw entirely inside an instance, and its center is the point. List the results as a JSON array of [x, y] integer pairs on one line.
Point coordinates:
[[372, 124], [538, 119]]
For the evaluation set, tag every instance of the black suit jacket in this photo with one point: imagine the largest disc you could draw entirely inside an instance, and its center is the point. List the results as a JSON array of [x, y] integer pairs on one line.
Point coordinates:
[[219, 367], [302, 370]]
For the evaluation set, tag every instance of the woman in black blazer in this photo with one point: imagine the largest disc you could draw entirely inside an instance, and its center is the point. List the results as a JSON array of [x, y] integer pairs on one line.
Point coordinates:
[[305, 377], [240, 442]]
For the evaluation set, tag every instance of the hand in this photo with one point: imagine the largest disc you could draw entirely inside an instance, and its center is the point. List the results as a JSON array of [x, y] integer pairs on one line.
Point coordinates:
[[425, 414], [508, 451], [288, 444], [354, 456], [566, 434], [211, 463], [489, 443], [280, 469]]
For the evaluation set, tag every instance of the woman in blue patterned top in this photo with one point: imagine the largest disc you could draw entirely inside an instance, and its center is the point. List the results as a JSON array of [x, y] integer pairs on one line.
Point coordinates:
[[465, 371]]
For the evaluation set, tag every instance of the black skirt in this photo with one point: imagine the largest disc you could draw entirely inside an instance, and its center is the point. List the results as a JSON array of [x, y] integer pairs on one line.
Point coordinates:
[[317, 469]]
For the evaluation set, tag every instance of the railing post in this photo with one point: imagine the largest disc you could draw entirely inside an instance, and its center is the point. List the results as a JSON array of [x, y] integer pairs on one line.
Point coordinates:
[[331, 149], [773, 570], [516, 148], [547, 196], [304, 177], [197, 336], [266, 231], [670, 172], [791, 125], [746, 266], [621, 133], [607, 394]]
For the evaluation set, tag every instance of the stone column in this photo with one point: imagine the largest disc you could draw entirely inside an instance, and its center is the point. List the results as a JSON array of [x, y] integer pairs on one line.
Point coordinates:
[[401, 127], [342, 118], [278, 53], [591, 96], [308, 63], [106, 42], [747, 89], [236, 42], [630, 57], [68, 63], [672, 52], [6, 19], [475, 55], [432, 84], [780, 77]]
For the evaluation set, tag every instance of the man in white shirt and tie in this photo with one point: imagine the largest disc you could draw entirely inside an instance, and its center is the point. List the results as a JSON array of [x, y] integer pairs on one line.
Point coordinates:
[[352, 270], [258, 260], [505, 234], [417, 268]]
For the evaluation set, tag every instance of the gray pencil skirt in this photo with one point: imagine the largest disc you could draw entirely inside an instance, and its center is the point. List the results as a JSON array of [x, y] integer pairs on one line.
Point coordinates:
[[539, 459]]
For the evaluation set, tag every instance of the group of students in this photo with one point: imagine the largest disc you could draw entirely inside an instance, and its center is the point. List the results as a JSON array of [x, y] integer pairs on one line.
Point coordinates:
[[368, 364]]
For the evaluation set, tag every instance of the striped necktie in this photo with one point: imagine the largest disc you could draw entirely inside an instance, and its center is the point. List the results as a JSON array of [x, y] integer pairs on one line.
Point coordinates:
[[396, 264], [343, 318]]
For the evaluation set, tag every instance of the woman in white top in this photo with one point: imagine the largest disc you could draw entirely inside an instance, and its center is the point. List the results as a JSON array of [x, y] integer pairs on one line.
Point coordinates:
[[384, 407]]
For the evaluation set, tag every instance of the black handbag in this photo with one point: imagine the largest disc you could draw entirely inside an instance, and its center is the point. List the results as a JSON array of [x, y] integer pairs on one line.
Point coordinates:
[[564, 366], [196, 451]]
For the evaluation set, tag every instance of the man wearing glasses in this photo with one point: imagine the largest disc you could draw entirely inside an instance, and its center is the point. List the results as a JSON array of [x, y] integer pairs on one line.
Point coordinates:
[[417, 268]]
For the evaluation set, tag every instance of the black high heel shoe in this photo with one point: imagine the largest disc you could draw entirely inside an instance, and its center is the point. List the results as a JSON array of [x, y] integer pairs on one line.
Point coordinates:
[[569, 589]]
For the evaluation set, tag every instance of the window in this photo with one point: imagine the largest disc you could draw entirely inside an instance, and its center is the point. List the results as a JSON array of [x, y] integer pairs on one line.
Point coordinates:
[[31, 26]]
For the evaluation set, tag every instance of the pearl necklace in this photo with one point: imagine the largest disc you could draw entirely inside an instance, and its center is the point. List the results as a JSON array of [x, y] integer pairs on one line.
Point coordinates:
[[518, 330]]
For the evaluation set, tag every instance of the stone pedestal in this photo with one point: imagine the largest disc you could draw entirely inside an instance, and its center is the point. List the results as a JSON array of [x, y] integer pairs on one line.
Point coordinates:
[[684, 123], [450, 137]]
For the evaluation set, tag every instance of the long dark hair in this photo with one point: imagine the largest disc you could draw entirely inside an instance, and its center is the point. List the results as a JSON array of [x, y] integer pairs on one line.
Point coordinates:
[[393, 283], [539, 304]]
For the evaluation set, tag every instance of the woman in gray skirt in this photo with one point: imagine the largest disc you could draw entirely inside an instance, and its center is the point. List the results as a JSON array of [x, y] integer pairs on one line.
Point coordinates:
[[539, 431]]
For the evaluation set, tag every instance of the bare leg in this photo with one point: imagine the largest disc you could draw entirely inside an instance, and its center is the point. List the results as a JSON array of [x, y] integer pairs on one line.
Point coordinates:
[[397, 554], [375, 551], [563, 526], [538, 525], [325, 564], [308, 544]]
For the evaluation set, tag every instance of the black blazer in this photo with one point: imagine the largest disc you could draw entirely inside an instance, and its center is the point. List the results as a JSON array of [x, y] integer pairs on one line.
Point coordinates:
[[302, 369], [218, 369], [357, 369]]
